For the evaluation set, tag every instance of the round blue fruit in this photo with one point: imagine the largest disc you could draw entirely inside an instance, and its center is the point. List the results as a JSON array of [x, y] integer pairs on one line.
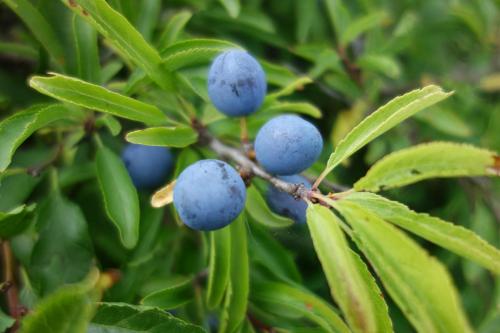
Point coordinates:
[[285, 204], [287, 145], [236, 83], [148, 166], [209, 194]]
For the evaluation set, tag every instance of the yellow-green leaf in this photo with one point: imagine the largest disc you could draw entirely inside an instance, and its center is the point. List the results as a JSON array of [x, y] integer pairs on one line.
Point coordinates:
[[430, 160], [382, 120], [164, 136], [257, 208], [452, 237], [350, 283], [417, 282]]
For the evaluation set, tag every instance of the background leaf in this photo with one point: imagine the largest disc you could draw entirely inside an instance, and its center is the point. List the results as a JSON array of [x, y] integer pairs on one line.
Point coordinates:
[[218, 266], [18, 127], [257, 208], [68, 310], [121, 318], [15, 221], [119, 194], [69, 259]]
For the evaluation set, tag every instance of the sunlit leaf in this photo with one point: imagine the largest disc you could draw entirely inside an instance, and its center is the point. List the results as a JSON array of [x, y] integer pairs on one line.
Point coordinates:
[[417, 282], [350, 283], [164, 136], [437, 159], [452, 237]]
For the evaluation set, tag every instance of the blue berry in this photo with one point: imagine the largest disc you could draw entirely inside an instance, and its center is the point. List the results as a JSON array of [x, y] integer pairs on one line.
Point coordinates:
[[209, 195], [236, 83], [285, 204], [148, 166], [287, 145]]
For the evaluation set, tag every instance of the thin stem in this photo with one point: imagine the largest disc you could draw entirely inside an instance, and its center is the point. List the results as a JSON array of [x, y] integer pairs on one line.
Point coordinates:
[[12, 295], [244, 131]]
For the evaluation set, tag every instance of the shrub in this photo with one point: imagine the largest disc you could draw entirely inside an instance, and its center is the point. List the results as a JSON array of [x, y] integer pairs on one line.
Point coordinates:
[[370, 107]]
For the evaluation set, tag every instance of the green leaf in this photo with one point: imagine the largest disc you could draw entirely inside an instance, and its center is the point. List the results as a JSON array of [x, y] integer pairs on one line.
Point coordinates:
[[290, 88], [147, 18], [124, 37], [266, 250], [257, 208], [338, 14], [15, 129], [282, 296], [350, 283], [232, 7], [361, 25], [445, 120], [171, 297], [452, 237], [193, 52], [417, 282], [382, 120], [173, 28], [5, 322], [126, 318], [380, 63], [179, 137], [430, 160], [91, 96], [119, 194], [298, 107], [67, 260], [218, 267], [68, 310], [39, 26], [86, 50], [277, 75], [236, 301], [110, 122], [15, 221]]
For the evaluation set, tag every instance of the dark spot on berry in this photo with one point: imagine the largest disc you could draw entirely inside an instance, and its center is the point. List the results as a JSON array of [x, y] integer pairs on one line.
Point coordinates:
[[234, 90]]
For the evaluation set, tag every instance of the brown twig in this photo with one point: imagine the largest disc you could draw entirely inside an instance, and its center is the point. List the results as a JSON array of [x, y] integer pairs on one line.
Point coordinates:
[[352, 69], [16, 311]]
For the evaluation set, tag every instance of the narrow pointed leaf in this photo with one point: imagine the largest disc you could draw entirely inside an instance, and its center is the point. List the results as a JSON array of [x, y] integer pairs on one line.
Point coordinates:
[[119, 194], [361, 25], [232, 7], [15, 129], [15, 221], [94, 97], [172, 297], [39, 26], [282, 296], [174, 27], [124, 37], [86, 50], [437, 159], [296, 107], [382, 120], [193, 52], [358, 296], [236, 300], [178, 137], [126, 318], [258, 209], [417, 282], [452, 237], [218, 267]]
